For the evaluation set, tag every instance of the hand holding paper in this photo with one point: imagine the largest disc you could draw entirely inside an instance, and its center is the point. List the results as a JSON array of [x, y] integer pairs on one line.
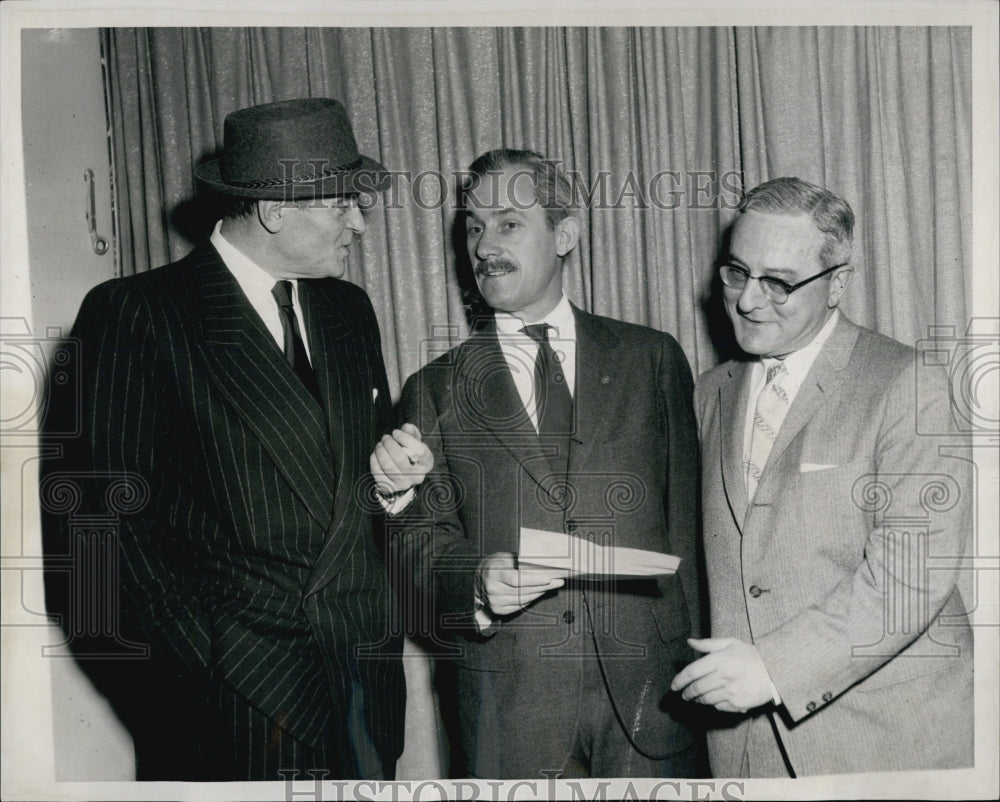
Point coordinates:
[[578, 557], [506, 589]]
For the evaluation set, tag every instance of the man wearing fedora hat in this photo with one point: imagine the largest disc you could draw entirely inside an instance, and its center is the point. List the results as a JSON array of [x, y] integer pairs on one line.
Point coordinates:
[[240, 396]]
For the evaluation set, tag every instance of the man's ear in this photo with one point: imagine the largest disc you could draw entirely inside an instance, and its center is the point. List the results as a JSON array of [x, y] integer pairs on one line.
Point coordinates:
[[269, 213], [838, 285], [567, 234]]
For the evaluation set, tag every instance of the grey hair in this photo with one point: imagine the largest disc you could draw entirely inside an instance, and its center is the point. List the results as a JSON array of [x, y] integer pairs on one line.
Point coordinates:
[[792, 196]]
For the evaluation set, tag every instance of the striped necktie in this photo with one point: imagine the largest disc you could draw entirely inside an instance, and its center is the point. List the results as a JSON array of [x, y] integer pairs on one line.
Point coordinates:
[[772, 406]]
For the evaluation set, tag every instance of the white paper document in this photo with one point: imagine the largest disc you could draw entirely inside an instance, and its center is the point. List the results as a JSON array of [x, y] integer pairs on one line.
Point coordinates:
[[578, 557]]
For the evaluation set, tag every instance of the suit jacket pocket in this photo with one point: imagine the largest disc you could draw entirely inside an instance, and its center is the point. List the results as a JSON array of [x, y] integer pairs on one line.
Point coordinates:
[[495, 653], [282, 677]]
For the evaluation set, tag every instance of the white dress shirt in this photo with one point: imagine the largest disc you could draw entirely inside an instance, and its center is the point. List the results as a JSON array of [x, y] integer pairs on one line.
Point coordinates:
[[520, 350], [257, 284]]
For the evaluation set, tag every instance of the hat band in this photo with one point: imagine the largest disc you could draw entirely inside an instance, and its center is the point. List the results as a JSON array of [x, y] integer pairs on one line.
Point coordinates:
[[329, 172]]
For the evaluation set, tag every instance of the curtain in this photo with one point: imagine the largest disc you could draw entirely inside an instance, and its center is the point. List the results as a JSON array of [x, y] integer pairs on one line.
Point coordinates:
[[660, 129], [882, 117]]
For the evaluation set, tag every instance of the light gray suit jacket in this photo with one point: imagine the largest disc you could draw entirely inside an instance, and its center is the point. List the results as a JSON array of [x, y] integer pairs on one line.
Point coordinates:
[[842, 570]]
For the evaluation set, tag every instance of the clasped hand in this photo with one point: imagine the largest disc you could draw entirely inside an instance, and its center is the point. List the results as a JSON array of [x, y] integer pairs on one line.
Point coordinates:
[[400, 460]]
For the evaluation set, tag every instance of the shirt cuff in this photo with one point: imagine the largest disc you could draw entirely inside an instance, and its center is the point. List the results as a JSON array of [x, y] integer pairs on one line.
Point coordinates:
[[774, 694], [397, 502], [485, 624]]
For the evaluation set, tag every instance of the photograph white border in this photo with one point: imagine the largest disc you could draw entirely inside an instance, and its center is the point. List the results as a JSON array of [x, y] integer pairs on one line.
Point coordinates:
[[27, 743]]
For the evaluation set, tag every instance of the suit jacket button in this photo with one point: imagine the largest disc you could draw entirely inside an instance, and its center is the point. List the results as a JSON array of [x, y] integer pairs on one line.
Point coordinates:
[[827, 696], [755, 591], [811, 706], [569, 616]]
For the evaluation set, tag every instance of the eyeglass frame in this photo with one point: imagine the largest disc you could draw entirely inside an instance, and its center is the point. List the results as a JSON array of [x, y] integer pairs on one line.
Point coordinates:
[[787, 288]]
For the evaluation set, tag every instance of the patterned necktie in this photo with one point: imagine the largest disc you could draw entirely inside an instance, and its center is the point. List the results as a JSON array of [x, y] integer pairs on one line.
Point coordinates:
[[772, 406], [295, 349], [553, 403]]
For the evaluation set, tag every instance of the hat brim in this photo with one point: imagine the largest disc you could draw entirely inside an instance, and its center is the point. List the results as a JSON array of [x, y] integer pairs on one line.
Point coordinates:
[[368, 178]]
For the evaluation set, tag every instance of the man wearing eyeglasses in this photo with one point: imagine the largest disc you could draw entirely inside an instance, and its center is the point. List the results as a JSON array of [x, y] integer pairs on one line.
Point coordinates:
[[840, 642]]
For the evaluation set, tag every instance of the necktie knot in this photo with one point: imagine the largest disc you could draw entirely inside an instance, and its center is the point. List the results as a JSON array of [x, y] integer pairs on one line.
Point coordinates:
[[776, 371], [539, 332], [282, 292]]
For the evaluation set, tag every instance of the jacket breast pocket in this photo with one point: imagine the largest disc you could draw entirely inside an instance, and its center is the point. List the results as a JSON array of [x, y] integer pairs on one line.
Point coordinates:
[[832, 491]]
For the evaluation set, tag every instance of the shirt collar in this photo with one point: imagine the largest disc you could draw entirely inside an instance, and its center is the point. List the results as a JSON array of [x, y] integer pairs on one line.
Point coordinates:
[[799, 362], [560, 318], [253, 279]]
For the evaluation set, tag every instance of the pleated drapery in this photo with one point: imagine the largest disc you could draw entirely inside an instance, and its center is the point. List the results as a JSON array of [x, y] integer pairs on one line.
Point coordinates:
[[659, 127]]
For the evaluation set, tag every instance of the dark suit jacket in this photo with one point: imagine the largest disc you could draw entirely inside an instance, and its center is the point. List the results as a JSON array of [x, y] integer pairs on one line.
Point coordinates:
[[249, 554], [843, 569], [632, 481]]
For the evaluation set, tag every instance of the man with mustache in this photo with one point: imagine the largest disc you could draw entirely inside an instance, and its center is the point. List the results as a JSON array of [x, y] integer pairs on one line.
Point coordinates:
[[552, 419]]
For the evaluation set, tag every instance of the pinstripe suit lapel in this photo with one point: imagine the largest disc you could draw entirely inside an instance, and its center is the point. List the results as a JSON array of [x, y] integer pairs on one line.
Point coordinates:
[[597, 387], [342, 370], [327, 331], [247, 367], [733, 399]]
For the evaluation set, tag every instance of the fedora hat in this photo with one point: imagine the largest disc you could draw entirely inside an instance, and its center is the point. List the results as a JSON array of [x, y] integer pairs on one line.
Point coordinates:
[[291, 150]]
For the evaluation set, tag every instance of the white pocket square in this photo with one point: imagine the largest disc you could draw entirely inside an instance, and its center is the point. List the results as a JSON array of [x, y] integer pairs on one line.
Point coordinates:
[[374, 394], [810, 467]]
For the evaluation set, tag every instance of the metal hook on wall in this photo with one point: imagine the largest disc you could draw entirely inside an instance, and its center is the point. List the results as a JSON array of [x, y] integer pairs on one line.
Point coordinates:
[[98, 242]]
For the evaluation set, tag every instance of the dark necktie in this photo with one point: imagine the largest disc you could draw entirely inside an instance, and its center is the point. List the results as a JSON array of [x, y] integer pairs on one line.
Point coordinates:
[[552, 398], [295, 349]]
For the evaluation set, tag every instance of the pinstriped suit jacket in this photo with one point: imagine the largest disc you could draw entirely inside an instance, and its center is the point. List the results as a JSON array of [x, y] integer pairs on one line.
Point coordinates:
[[841, 571], [254, 560]]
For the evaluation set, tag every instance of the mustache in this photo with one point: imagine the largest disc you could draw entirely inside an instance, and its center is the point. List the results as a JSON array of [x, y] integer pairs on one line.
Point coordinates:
[[494, 265]]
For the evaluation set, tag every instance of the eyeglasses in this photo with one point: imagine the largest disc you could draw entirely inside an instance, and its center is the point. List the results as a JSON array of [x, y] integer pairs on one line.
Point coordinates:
[[776, 290]]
